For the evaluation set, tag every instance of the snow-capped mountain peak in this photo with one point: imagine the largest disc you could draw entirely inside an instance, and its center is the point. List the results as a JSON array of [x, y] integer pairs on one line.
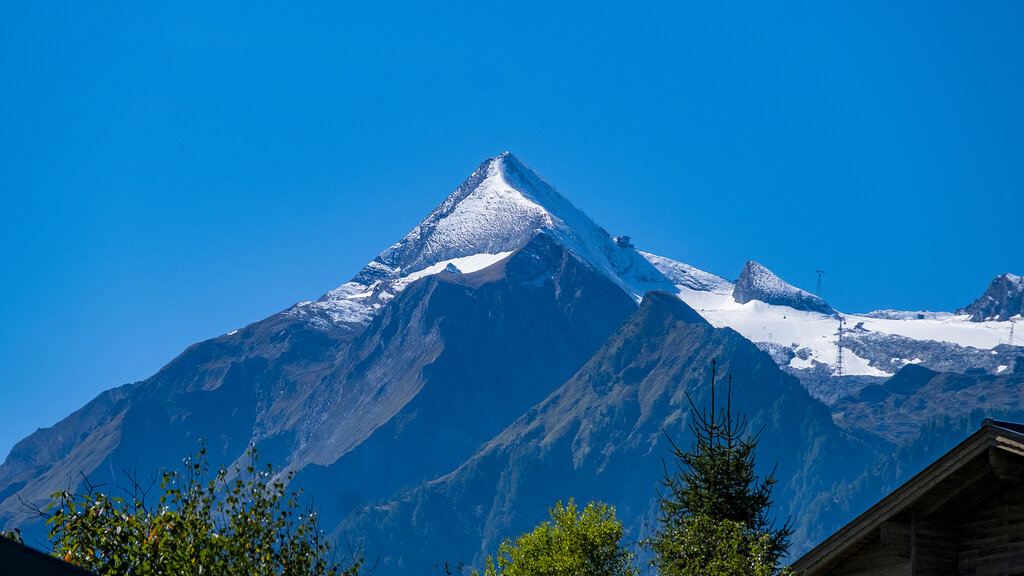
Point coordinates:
[[487, 214], [497, 210]]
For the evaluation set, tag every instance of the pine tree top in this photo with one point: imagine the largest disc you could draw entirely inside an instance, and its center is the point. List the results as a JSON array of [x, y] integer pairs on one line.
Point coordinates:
[[716, 477]]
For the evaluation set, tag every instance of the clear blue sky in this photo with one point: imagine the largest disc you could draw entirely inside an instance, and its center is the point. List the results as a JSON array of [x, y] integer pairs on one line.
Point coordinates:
[[172, 172]]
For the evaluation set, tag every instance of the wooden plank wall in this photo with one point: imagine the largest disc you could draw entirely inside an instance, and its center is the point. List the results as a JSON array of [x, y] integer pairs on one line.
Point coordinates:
[[992, 538], [986, 541], [933, 548], [875, 558]]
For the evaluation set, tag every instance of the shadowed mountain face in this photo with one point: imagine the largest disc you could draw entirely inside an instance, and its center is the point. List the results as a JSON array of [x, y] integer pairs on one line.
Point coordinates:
[[448, 363], [226, 391], [490, 345], [897, 409], [602, 435]]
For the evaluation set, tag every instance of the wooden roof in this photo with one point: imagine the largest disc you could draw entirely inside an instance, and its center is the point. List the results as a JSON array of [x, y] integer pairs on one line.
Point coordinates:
[[997, 448]]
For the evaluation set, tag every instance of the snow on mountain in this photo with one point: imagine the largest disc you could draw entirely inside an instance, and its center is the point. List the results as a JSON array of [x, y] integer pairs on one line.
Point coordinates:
[[504, 204], [811, 332], [685, 275], [496, 211], [759, 283], [811, 337]]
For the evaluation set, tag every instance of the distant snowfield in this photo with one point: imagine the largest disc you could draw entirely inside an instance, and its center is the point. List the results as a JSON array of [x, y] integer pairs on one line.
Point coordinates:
[[760, 322]]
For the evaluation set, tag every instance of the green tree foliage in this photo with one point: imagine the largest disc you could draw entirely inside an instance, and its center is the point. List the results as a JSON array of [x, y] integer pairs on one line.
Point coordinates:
[[702, 546], [572, 543], [713, 506], [237, 521]]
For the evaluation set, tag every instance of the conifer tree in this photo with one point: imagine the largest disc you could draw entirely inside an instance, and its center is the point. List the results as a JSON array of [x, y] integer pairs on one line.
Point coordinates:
[[713, 507]]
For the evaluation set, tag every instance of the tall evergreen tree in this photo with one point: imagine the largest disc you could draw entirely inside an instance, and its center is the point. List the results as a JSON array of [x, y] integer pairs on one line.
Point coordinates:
[[714, 508]]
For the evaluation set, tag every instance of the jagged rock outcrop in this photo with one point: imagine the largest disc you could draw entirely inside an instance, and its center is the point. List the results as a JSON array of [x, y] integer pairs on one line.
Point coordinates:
[[1003, 300], [759, 283]]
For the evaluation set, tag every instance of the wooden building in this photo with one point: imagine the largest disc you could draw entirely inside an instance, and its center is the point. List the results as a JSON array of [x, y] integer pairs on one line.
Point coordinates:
[[963, 514]]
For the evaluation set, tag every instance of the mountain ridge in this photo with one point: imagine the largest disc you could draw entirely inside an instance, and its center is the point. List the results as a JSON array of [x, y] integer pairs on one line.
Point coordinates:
[[604, 433], [466, 330]]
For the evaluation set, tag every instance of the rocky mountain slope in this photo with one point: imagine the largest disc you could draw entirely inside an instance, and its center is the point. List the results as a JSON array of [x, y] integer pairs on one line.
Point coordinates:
[[897, 409], [603, 434], [1004, 300], [759, 283]]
